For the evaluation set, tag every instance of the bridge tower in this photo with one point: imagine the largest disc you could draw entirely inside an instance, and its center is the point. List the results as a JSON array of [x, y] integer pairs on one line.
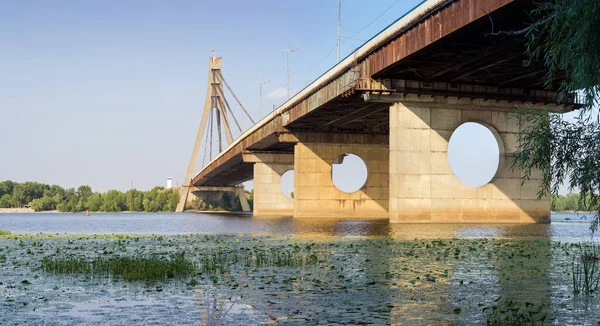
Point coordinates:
[[214, 124]]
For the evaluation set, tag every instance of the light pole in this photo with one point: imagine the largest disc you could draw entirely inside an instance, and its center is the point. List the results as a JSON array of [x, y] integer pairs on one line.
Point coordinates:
[[260, 106], [287, 67], [339, 29]]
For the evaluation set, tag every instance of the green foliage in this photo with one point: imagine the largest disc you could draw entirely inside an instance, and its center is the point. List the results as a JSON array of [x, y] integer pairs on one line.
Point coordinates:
[[94, 202], [113, 201], [566, 36], [83, 193], [25, 192], [45, 198], [570, 202], [43, 204], [134, 200], [71, 202], [229, 202], [5, 201], [586, 269], [6, 187], [57, 192], [147, 269]]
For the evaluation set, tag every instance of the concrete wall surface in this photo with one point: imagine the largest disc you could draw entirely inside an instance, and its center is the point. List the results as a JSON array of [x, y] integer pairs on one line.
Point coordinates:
[[315, 194], [423, 188], [268, 198]]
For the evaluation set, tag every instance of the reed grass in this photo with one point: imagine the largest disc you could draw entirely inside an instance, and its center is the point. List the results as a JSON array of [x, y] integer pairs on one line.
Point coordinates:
[[128, 268], [586, 269], [220, 260]]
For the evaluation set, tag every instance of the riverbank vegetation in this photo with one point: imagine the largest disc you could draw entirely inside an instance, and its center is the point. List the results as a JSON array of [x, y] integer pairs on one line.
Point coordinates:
[[228, 202], [148, 269], [339, 280], [565, 36], [570, 203], [42, 197]]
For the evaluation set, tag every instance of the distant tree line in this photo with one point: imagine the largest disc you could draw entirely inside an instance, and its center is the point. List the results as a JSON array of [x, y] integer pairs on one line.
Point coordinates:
[[43, 197], [229, 201], [571, 202]]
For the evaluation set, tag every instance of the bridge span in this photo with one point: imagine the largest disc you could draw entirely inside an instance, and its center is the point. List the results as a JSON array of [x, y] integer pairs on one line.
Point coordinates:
[[395, 102]]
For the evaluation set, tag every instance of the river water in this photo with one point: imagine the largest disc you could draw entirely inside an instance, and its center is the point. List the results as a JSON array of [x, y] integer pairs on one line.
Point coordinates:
[[564, 226], [365, 272]]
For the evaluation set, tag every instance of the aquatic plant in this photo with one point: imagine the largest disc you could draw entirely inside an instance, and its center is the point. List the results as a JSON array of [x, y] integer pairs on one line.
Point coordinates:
[[220, 260], [586, 269], [4, 232], [128, 268], [513, 313]]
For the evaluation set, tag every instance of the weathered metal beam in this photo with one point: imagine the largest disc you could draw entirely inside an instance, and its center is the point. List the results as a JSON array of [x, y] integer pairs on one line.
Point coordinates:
[[471, 91], [522, 77], [268, 157], [350, 116], [213, 188], [333, 138], [493, 64]]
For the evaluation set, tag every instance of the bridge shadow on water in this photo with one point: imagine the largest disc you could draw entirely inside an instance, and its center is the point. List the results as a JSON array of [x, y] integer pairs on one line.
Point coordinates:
[[560, 229]]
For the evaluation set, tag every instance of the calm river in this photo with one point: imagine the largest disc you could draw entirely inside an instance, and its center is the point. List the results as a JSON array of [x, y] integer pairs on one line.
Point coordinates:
[[283, 270], [564, 226]]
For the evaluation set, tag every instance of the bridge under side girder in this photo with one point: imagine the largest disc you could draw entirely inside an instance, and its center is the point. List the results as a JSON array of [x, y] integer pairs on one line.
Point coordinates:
[[449, 51]]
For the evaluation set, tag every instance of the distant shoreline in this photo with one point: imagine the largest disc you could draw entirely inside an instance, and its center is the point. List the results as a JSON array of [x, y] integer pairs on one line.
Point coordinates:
[[22, 211], [31, 211]]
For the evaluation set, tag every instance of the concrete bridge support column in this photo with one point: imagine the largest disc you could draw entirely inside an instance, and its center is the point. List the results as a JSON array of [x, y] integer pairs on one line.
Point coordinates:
[[423, 188], [315, 193], [268, 169]]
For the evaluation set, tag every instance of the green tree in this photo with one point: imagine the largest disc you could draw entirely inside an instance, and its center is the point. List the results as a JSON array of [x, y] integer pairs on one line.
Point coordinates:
[[162, 200], [6, 187], [55, 191], [149, 201], [558, 203], [23, 193], [83, 193], [5, 201], [94, 202], [43, 204], [134, 200], [566, 36], [572, 202], [173, 200], [113, 201]]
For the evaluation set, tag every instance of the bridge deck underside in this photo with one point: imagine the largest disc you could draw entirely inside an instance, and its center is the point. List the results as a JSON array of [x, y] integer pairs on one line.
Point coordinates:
[[474, 55], [469, 55]]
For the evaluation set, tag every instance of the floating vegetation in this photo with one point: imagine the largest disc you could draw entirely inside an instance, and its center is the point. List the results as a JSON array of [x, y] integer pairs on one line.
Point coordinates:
[[512, 313], [4, 232], [220, 260], [128, 268], [240, 280], [586, 269]]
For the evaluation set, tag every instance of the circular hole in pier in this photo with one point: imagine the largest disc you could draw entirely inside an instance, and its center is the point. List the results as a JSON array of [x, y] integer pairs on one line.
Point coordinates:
[[474, 154], [349, 173], [287, 183]]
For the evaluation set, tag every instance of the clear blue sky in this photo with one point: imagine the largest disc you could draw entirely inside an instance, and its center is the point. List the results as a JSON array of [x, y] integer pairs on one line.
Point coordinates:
[[105, 92]]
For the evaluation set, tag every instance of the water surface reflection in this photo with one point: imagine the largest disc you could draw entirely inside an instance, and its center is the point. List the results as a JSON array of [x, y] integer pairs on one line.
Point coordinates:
[[565, 227]]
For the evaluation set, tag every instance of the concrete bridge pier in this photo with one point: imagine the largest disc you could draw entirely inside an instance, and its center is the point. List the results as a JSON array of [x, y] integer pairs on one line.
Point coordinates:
[[268, 169], [315, 194], [423, 188]]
